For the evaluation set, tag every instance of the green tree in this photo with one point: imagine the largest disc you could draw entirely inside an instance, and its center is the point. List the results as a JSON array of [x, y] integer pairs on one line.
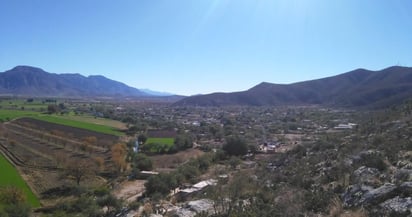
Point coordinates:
[[183, 142], [161, 184], [142, 139], [13, 203], [142, 162], [235, 146]]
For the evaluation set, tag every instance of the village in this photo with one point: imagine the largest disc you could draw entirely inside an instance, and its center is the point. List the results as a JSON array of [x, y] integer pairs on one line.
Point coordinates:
[[266, 131]]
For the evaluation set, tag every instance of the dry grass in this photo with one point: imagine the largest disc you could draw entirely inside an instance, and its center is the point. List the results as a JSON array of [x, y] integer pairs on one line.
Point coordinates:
[[171, 161], [336, 210]]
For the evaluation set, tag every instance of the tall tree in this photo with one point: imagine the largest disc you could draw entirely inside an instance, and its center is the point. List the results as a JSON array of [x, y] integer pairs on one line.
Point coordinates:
[[119, 153], [235, 146], [78, 170]]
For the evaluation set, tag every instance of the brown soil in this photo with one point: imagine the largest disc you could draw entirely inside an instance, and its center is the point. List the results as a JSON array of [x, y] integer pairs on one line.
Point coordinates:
[[171, 161], [130, 190], [72, 132]]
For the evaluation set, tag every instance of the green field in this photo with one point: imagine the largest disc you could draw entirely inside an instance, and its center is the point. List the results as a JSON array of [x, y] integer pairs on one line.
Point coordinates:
[[159, 145], [100, 125], [10, 177], [6, 115], [36, 105], [167, 141], [79, 124]]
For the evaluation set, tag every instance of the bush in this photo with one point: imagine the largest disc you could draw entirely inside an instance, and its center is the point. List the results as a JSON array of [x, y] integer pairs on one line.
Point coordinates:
[[142, 162], [235, 146], [374, 161]]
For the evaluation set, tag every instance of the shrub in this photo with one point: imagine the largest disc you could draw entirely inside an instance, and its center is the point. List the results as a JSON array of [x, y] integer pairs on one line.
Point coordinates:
[[235, 146]]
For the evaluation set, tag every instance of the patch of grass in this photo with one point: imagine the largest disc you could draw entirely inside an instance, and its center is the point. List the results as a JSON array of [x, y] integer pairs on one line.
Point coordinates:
[[158, 145], [10, 177], [167, 141], [6, 115], [79, 124]]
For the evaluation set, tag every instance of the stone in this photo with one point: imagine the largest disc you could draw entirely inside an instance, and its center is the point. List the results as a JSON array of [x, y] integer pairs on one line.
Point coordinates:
[[397, 205], [183, 213], [358, 195], [378, 195], [354, 193], [366, 175]]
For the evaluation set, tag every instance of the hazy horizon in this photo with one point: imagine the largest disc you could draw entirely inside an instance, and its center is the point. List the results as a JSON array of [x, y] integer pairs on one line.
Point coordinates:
[[198, 47]]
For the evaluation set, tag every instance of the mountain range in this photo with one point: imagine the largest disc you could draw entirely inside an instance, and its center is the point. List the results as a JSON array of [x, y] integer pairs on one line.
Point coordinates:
[[31, 81], [358, 88]]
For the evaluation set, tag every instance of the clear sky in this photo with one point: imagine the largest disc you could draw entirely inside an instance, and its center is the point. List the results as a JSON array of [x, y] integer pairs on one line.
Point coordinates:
[[203, 46]]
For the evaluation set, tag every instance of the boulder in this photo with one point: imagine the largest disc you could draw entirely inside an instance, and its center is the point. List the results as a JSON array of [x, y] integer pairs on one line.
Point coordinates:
[[183, 213], [360, 195], [366, 175], [402, 175], [397, 205], [353, 194], [378, 195], [199, 206]]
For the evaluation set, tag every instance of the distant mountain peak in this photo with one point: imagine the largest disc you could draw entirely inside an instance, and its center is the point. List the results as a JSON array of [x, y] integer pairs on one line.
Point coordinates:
[[26, 69], [33, 81]]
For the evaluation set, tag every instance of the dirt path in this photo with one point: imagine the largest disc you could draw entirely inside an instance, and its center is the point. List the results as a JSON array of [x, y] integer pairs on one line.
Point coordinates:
[[130, 190]]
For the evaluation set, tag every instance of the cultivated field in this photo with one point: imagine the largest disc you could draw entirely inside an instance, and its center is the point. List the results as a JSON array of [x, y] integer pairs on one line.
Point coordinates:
[[80, 122], [35, 105], [41, 149], [158, 145], [7, 115], [87, 122], [10, 177]]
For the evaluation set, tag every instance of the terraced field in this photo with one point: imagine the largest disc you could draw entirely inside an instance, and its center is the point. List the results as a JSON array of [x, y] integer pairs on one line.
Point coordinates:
[[40, 149]]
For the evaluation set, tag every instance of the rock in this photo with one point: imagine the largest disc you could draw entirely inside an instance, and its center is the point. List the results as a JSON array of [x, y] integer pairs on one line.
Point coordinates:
[[406, 186], [203, 205], [404, 164], [353, 194], [398, 205], [402, 175], [183, 213], [155, 215], [357, 195], [378, 195], [194, 207], [366, 175]]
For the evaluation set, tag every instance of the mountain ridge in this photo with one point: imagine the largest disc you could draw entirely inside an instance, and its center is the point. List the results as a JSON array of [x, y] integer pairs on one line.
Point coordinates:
[[358, 88], [29, 81]]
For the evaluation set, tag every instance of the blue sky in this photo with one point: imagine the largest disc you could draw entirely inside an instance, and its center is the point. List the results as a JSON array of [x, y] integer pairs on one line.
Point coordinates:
[[203, 46]]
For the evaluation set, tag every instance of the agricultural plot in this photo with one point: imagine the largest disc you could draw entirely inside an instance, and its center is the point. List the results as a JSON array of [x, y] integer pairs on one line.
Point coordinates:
[[167, 141], [80, 124], [10, 177], [13, 104], [158, 145], [7, 115], [99, 125], [41, 149], [96, 120]]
